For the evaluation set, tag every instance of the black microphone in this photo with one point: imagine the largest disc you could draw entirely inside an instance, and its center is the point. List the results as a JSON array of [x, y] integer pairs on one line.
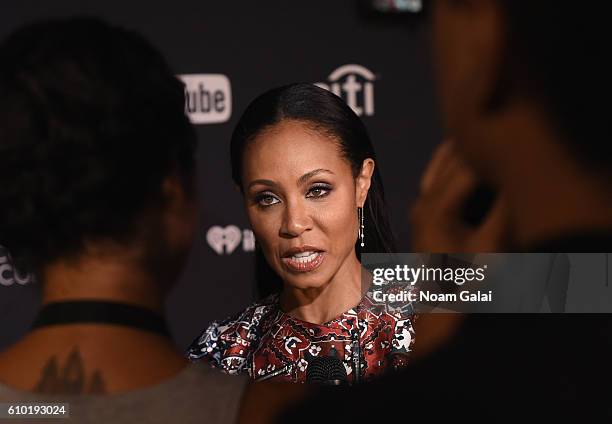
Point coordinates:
[[326, 370]]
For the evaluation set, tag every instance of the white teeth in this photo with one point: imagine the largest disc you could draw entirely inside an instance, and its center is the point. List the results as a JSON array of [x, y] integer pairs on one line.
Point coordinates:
[[304, 257], [303, 254]]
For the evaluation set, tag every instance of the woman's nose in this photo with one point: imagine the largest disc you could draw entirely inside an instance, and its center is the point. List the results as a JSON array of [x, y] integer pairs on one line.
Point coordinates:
[[296, 220]]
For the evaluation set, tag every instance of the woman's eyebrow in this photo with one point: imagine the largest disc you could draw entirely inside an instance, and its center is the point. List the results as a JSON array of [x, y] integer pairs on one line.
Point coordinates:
[[269, 183], [311, 174], [301, 180]]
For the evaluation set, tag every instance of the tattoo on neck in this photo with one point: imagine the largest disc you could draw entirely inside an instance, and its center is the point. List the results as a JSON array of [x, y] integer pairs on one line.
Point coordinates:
[[71, 379]]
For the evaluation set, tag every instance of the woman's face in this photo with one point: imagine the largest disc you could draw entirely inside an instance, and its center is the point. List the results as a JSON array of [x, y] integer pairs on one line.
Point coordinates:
[[301, 199]]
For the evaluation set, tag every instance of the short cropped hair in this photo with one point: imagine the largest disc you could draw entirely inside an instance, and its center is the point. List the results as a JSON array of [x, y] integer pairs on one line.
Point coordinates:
[[92, 120]]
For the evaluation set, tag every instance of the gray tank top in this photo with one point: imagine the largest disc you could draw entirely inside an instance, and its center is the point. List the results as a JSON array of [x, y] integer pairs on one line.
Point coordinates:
[[197, 394]]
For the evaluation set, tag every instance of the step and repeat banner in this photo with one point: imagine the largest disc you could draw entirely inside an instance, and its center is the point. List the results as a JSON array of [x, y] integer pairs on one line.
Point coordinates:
[[227, 53]]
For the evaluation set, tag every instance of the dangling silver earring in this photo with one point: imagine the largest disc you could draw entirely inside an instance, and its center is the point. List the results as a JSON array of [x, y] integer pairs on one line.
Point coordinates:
[[361, 227]]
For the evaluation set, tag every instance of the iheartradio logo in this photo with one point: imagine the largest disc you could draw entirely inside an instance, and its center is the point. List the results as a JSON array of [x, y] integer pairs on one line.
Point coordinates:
[[225, 240]]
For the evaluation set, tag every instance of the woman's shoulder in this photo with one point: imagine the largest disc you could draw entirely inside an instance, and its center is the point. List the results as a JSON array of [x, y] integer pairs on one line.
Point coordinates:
[[227, 344]]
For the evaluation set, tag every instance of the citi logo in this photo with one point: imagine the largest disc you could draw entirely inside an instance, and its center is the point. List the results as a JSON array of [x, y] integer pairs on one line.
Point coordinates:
[[8, 274], [224, 240], [354, 84], [208, 98]]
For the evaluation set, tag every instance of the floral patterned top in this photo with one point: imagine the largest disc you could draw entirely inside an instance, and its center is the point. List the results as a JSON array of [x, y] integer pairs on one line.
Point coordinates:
[[264, 342]]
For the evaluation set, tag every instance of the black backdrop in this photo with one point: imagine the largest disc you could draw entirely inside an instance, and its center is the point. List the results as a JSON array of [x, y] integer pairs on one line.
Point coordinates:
[[257, 45]]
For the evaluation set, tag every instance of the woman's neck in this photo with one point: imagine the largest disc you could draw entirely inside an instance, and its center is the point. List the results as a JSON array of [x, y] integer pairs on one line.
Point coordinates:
[[102, 279], [322, 304], [108, 358]]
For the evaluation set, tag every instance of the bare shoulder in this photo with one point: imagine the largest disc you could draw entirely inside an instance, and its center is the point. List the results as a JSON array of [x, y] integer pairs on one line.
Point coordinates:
[[21, 364]]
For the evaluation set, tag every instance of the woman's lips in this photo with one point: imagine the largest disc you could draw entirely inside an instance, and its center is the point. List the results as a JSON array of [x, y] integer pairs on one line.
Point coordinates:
[[304, 262]]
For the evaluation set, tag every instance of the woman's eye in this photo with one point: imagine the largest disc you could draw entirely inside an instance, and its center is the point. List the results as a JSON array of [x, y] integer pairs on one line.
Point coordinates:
[[267, 200], [318, 192]]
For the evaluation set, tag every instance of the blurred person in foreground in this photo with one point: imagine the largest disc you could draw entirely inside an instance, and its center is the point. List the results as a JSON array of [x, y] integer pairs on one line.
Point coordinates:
[[99, 200], [522, 87]]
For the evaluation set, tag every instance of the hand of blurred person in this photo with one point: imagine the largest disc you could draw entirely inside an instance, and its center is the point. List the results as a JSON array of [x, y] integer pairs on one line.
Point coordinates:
[[437, 217]]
